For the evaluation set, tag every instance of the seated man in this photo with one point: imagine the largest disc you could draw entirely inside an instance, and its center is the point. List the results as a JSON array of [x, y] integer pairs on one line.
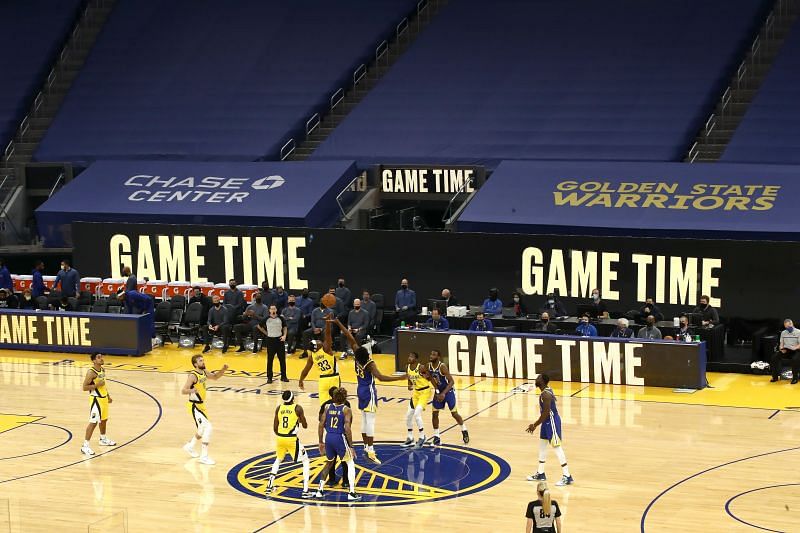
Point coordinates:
[[622, 330], [8, 300], [493, 305], [684, 334], [710, 315], [598, 305], [552, 306], [317, 328], [650, 308], [293, 317], [585, 329], [436, 321], [357, 325], [481, 323], [27, 301], [218, 322], [544, 325], [255, 313], [650, 331], [788, 348], [203, 300]]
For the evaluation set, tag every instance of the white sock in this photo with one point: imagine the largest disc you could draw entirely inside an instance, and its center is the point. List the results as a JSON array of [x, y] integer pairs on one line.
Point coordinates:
[[418, 417], [102, 436], [409, 421], [86, 443], [204, 450], [562, 458], [436, 432], [463, 427], [321, 483], [306, 468], [351, 474], [275, 466]]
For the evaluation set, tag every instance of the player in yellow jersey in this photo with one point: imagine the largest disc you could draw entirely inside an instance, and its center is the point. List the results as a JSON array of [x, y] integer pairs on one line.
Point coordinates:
[[99, 398], [322, 356], [195, 387], [287, 417], [419, 381]]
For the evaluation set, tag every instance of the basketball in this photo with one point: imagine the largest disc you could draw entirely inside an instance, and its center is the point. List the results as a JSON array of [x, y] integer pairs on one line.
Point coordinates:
[[329, 300]]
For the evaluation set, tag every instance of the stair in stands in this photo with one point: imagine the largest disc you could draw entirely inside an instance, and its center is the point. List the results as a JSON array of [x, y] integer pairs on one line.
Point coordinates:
[[405, 34], [32, 129], [718, 130]]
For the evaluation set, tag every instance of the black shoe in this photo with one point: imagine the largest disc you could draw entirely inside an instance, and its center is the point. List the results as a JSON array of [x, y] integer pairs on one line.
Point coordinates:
[[241, 349], [224, 349], [773, 380], [465, 436], [286, 380], [794, 381], [207, 348], [303, 355], [269, 380], [256, 351]]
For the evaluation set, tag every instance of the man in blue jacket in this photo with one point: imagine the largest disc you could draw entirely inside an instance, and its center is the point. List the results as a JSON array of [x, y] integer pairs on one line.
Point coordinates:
[[405, 303], [481, 323], [493, 305], [585, 329], [136, 300], [5, 278], [436, 321], [37, 284], [69, 278]]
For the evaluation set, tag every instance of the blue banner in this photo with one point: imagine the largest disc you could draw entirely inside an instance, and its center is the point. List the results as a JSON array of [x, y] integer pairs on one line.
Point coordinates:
[[647, 199], [271, 193]]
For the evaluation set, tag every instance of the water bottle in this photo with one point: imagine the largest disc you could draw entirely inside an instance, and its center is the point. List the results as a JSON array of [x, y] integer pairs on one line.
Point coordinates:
[[402, 324]]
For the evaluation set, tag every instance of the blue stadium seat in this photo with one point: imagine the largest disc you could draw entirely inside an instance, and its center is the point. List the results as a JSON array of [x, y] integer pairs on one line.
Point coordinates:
[[770, 130], [210, 80], [32, 32], [537, 79]]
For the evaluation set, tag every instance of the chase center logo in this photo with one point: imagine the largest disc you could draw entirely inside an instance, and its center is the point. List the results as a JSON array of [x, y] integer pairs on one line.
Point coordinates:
[[405, 477], [203, 189]]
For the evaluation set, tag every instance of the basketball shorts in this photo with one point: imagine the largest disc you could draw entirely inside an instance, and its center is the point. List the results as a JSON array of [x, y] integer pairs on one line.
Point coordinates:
[[98, 409], [421, 397], [289, 446], [551, 431], [367, 398], [449, 401], [325, 385], [199, 416], [336, 446]]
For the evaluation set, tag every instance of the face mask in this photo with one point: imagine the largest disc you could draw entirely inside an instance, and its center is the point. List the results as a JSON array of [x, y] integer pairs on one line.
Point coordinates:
[[516, 299], [595, 297], [217, 304], [404, 287], [545, 320], [341, 283], [551, 302], [233, 287], [28, 297], [493, 297], [683, 324], [790, 329], [291, 304], [258, 300], [305, 294], [357, 307]]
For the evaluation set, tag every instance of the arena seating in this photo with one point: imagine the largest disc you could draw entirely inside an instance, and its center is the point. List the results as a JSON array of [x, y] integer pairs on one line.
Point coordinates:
[[770, 130], [522, 79], [32, 33], [207, 80]]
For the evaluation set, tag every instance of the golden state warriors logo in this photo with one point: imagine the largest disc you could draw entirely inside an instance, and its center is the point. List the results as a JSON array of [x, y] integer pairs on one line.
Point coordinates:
[[405, 476]]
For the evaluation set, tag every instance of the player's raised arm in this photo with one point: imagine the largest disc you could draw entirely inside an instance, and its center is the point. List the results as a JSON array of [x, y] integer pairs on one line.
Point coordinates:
[[327, 339], [547, 396], [191, 379], [350, 339], [218, 373], [301, 415], [304, 373], [373, 368]]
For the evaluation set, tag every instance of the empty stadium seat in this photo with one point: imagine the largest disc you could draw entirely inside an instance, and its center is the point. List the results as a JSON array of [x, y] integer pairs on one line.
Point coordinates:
[[207, 80], [32, 32], [535, 79], [770, 129]]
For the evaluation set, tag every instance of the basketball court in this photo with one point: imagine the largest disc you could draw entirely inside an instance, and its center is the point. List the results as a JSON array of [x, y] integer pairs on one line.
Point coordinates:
[[719, 459]]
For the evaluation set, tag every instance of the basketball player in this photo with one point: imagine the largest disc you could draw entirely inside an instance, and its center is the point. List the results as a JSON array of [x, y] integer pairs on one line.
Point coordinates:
[[366, 373], [287, 417], [336, 425], [322, 356], [445, 395], [332, 474], [543, 515], [550, 432], [195, 387], [419, 383], [99, 398]]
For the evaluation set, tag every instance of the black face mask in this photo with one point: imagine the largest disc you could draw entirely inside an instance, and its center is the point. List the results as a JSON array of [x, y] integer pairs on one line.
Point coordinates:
[[233, 287], [545, 320], [341, 283], [258, 300], [291, 304], [357, 307], [305, 294], [404, 287], [217, 304]]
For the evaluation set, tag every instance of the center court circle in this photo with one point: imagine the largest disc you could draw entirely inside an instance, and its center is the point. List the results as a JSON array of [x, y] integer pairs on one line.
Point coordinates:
[[406, 476], [760, 505]]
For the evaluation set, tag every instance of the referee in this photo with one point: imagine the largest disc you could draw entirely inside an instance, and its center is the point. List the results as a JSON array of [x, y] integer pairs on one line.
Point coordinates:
[[273, 329]]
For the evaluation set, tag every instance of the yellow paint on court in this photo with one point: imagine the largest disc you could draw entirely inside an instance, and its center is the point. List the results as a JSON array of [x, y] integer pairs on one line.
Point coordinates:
[[725, 390], [9, 421]]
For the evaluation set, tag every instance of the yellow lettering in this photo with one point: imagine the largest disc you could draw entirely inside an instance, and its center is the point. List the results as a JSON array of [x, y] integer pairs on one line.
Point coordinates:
[[18, 331]]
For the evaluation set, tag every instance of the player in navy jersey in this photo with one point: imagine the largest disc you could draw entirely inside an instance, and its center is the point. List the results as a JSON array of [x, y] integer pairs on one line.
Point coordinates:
[[336, 425], [366, 373], [445, 395], [550, 432]]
